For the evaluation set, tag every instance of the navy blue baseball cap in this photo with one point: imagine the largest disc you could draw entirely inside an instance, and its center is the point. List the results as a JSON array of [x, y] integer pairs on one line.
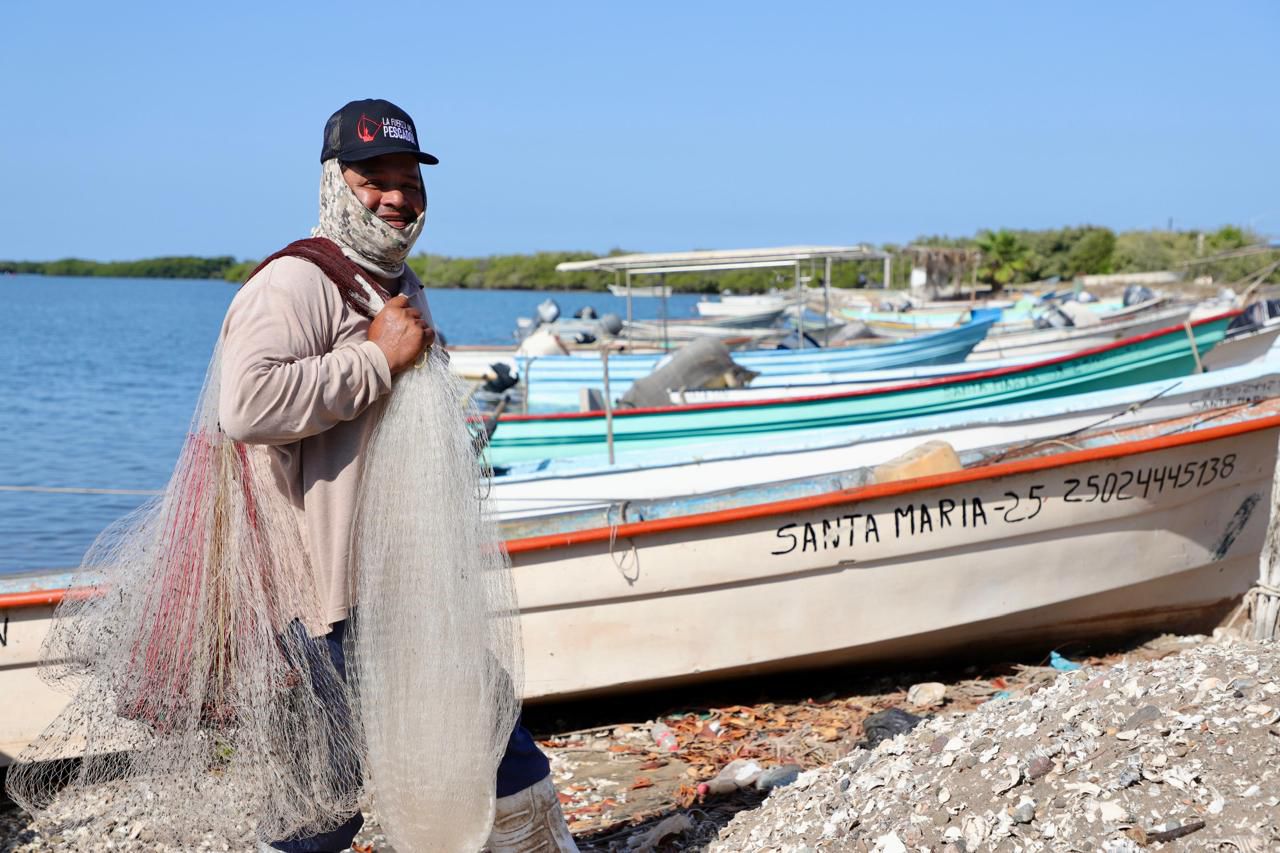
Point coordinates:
[[371, 128]]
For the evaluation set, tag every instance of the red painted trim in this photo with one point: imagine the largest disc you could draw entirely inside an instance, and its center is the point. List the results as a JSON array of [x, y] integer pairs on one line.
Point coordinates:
[[37, 598], [862, 493], [919, 383]]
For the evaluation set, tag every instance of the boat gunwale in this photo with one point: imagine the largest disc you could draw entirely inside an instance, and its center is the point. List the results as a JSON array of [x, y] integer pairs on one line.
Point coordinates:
[[990, 373], [897, 487]]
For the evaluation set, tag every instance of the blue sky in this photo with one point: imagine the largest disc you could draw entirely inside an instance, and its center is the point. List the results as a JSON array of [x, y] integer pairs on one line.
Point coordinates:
[[139, 129]]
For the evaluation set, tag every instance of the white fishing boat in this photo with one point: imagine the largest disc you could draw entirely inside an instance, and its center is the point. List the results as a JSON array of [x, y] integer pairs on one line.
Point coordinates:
[[649, 291], [1044, 341], [739, 306], [1243, 346], [653, 331], [547, 487], [1161, 532], [1158, 527]]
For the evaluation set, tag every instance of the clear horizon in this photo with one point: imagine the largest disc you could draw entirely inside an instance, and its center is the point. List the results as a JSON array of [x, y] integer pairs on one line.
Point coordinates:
[[196, 131]]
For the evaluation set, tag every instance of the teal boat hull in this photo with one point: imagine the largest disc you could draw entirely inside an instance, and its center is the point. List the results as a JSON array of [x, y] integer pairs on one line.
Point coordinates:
[[1164, 354]]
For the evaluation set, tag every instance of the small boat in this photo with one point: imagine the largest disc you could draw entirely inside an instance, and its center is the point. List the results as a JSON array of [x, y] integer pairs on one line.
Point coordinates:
[[552, 383], [1162, 354], [756, 319], [739, 306], [656, 332], [1018, 317], [580, 484], [1155, 530], [644, 292], [1244, 344], [1041, 341]]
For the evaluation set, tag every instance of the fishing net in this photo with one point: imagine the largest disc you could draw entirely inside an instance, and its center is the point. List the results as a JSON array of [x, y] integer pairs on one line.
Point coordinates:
[[203, 697], [199, 688], [435, 652]]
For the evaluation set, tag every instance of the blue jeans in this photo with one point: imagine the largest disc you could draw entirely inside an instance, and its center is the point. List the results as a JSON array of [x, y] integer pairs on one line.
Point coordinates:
[[523, 765]]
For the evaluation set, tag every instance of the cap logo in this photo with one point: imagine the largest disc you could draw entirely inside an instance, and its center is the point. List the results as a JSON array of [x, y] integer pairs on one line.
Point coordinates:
[[394, 128], [367, 129]]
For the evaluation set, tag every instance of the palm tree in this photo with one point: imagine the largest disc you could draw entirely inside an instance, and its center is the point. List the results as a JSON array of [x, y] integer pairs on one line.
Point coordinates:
[[1003, 256]]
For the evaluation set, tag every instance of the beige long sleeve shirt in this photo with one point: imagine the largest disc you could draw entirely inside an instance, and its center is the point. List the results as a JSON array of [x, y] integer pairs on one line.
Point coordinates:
[[300, 376]]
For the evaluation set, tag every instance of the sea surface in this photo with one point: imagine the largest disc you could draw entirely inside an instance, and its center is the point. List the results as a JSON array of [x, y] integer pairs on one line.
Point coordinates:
[[99, 378]]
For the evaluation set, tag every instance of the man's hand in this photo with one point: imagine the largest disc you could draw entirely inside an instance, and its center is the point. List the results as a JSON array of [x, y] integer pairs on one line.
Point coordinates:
[[401, 333]]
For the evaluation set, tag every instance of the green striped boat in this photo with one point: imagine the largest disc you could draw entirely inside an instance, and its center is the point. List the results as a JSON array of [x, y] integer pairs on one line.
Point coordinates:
[[1163, 354]]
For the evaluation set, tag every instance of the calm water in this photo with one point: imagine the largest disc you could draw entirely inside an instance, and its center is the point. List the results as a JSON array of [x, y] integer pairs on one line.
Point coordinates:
[[99, 377]]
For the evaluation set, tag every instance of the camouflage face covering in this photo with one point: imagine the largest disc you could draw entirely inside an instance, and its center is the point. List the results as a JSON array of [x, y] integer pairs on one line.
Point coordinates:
[[347, 222]]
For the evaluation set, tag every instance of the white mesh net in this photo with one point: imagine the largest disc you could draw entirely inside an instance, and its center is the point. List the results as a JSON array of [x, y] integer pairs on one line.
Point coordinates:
[[199, 686], [186, 645], [435, 643]]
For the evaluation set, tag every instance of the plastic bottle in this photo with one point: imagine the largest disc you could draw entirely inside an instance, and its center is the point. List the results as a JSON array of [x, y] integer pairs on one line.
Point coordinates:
[[665, 738]]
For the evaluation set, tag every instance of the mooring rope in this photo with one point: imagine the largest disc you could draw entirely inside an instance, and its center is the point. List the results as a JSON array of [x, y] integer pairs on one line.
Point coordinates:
[[80, 490]]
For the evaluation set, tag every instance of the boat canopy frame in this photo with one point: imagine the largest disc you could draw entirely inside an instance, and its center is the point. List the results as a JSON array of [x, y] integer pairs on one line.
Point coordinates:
[[661, 263]]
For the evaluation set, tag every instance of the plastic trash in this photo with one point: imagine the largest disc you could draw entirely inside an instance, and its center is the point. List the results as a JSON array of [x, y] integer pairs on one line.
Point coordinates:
[[1061, 664], [883, 725], [648, 841], [665, 738], [734, 776], [777, 777], [926, 694]]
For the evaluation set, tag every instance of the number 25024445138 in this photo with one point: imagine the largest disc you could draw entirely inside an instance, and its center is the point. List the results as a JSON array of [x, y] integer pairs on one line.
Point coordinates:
[[850, 530]]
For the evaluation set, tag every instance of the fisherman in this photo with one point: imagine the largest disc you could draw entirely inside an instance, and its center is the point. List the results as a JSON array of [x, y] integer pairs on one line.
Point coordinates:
[[305, 374]]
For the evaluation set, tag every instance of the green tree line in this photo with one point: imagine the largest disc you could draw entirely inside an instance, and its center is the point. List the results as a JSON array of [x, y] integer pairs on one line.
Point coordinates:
[[185, 266], [997, 257]]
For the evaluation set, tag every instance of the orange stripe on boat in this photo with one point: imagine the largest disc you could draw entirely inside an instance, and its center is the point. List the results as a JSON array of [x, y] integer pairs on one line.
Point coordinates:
[[968, 475]]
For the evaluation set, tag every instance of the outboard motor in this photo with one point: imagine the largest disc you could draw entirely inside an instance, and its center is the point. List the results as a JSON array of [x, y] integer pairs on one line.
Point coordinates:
[[611, 324], [586, 312], [703, 363], [1135, 293], [502, 379], [524, 327], [1054, 318], [548, 311]]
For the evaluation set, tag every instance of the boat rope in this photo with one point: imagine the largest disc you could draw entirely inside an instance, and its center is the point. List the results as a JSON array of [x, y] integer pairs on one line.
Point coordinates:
[[81, 490], [1195, 349], [1060, 437], [621, 563]]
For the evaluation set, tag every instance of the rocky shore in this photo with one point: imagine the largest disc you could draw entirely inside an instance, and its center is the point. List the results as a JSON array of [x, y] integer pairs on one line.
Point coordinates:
[[1178, 753]]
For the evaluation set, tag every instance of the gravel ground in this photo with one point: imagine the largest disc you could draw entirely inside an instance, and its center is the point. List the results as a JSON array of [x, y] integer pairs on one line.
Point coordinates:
[[1179, 753], [1180, 733]]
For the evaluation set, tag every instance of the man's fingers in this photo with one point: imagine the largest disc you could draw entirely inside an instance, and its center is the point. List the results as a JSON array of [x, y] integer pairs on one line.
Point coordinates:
[[398, 301]]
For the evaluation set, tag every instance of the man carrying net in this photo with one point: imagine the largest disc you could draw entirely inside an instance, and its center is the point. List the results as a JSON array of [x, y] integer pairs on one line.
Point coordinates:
[[304, 374]]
